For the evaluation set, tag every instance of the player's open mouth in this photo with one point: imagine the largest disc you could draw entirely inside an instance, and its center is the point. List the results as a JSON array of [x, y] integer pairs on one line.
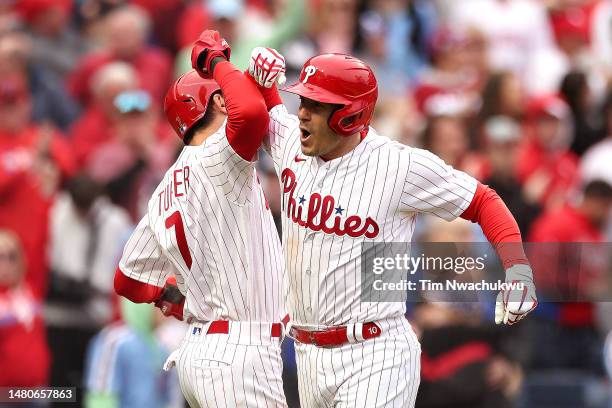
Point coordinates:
[[305, 134]]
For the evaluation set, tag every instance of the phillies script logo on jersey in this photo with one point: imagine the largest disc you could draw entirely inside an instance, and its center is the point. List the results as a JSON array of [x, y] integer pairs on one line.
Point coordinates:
[[324, 206]]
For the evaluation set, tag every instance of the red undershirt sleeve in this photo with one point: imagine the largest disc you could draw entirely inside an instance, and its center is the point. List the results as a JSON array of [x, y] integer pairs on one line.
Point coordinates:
[[247, 116], [499, 226], [271, 96], [134, 290]]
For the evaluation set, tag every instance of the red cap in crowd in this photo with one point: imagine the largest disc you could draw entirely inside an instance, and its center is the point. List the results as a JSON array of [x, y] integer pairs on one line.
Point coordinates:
[[551, 105], [31, 9], [573, 22]]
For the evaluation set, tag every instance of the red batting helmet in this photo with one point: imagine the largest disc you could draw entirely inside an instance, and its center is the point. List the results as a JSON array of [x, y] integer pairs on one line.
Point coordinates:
[[186, 101], [342, 80]]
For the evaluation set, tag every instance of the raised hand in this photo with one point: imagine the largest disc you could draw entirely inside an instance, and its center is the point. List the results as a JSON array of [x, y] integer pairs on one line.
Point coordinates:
[[209, 46], [267, 66]]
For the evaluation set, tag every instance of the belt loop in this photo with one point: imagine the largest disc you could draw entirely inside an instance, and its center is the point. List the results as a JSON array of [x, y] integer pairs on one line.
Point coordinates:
[[354, 332], [358, 331], [350, 333], [286, 325]]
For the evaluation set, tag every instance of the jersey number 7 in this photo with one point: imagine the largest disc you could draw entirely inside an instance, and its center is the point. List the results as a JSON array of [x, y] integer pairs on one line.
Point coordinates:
[[175, 220]]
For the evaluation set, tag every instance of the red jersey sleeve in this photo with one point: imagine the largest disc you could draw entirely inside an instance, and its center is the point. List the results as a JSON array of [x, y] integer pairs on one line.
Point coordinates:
[[271, 96], [134, 290], [499, 226], [248, 118]]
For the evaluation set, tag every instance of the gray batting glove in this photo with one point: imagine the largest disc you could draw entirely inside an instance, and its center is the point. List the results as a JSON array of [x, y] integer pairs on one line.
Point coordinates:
[[267, 67], [518, 298]]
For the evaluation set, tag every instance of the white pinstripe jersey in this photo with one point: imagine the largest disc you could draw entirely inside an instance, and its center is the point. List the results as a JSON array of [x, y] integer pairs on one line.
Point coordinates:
[[208, 223], [372, 193]]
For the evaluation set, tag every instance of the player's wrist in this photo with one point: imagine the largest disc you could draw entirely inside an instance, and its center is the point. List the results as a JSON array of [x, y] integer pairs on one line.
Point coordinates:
[[519, 272], [216, 60]]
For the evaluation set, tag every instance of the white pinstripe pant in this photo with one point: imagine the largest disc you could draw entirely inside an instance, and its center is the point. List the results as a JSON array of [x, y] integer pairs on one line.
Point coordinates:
[[240, 369], [380, 372]]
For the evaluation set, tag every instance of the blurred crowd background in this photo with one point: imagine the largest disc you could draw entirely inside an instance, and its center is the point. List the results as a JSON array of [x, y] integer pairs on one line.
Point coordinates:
[[517, 93]]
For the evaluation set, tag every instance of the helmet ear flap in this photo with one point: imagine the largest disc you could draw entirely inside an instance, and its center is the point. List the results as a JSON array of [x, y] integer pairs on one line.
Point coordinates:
[[346, 122]]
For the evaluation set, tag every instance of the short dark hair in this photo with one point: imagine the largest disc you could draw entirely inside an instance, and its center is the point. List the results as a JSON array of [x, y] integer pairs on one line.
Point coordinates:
[[203, 122], [598, 189]]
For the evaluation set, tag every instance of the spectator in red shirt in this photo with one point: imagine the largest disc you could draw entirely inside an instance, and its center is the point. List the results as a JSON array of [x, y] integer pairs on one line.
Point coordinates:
[[33, 160], [125, 32], [567, 334], [546, 166], [577, 223], [23, 346], [583, 222]]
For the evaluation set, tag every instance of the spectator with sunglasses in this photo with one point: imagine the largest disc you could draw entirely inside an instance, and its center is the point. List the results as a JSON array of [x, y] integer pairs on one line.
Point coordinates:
[[132, 161]]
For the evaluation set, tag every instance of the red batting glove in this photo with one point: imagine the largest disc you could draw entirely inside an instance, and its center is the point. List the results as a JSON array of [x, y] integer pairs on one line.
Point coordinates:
[[171, 302], [209, 46]]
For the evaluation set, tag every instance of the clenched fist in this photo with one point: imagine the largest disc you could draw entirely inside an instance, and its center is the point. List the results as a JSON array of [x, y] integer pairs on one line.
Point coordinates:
[[209, 46], [171, 302], [267, 66]]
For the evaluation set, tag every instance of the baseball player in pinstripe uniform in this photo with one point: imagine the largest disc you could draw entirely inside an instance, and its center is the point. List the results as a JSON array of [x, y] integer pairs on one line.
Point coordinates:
[[342, 184], [207, 250]]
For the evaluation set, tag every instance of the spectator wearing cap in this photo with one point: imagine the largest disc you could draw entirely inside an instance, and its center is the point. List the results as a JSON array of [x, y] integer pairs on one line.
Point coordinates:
[[33, 161], [125, 32], [502, 138], [138, 152], [56, 45], [50, 101], [23, 346], [546, 167], [456, 73]]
